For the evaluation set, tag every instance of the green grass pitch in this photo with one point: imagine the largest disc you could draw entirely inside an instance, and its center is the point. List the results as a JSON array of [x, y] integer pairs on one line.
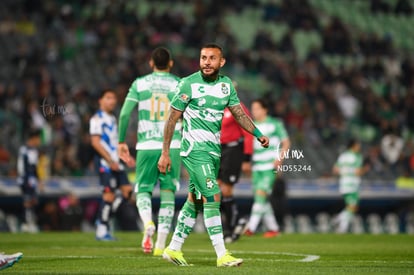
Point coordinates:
[[79, 253]]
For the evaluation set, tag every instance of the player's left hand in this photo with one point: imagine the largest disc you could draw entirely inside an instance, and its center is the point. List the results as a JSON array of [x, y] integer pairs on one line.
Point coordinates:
[[130, 162], [264, 140], [123, 152]]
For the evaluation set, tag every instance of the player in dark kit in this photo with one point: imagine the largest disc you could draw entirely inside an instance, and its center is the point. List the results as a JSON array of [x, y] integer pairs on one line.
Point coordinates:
[[104, 139], [28, 179]]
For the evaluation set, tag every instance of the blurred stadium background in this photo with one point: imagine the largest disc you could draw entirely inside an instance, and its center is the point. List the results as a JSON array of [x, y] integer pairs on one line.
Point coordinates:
[[332, 69]]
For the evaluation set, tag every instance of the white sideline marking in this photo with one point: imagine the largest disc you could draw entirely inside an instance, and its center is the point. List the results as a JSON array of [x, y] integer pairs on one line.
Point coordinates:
[[306, 257]]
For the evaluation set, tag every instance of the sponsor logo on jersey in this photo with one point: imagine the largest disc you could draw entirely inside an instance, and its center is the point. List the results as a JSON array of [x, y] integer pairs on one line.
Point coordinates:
[[184, 98]]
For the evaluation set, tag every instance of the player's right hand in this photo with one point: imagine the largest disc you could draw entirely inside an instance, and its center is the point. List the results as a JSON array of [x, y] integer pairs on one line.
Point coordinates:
[[123, 152], [114, 166], [164, 164]]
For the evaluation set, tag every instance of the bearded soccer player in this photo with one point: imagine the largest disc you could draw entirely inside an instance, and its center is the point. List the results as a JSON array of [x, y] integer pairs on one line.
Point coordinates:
[[152, 94], [201, 99]]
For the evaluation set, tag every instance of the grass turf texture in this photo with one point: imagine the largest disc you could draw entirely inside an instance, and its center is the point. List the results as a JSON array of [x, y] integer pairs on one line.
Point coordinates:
[[80, 253]]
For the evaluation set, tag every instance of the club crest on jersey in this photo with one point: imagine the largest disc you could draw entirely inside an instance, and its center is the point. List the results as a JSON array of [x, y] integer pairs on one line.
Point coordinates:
[[224, 89], [209, 183]]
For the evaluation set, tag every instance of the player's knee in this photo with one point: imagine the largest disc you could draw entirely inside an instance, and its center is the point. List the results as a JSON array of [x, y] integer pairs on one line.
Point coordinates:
[[226, 189], [214, 198], [126, 191], [260, 196], [108, 195], [261, 193], [352, 208]]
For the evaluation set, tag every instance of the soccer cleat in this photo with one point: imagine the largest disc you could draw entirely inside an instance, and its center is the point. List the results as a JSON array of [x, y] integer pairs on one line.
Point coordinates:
[[270, 234], [107, 237], [238, 230], [228, 239], [29, 228], [248, 233], [8, 260], [176, 257], [158, 252], [147, 243], [4, 264], [228, 260], [13, 258]]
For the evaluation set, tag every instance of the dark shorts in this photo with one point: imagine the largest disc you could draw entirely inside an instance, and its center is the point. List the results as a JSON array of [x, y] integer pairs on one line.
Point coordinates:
[[110, 181], [231, 161], [28, 192]]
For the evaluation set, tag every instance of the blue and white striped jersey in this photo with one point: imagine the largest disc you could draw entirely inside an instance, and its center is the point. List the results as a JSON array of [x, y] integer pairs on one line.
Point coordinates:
[[105, 125], [27, 165]]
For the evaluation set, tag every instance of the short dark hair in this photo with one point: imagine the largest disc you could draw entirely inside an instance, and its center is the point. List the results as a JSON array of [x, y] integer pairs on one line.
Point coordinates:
[[33, 133], [214, 46], [161, 57], [262, 103], [351, 143], [105, 91]]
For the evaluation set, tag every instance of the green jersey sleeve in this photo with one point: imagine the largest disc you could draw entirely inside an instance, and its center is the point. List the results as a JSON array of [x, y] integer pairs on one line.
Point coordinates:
[[359, 160], [281, 130], [234, 99], [130, 102], [182, 96], [133, 92], [126, 110]]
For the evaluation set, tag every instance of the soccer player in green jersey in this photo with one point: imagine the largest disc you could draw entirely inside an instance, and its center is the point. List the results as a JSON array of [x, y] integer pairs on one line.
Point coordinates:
[[201, 99], [349, 167], [264, 167], [153, 93]]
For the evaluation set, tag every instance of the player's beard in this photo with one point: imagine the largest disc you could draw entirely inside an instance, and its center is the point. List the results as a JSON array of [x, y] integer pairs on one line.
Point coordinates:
[[212, 75]]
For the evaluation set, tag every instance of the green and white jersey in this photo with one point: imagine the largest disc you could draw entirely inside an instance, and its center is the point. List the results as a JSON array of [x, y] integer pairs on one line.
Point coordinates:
[[263, 158], [153, 94], [203, 105], [348, 163]]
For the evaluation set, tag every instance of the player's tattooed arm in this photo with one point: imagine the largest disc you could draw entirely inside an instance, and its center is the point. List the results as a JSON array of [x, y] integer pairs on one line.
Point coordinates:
[[247, 124], [242, 118], [169, 129], [164, 162]]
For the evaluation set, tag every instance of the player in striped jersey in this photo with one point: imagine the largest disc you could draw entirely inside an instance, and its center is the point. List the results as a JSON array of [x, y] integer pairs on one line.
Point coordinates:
[[201, 99], [104, 139], [265, 163], [28, 179], [349, 167], [152, 94]]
